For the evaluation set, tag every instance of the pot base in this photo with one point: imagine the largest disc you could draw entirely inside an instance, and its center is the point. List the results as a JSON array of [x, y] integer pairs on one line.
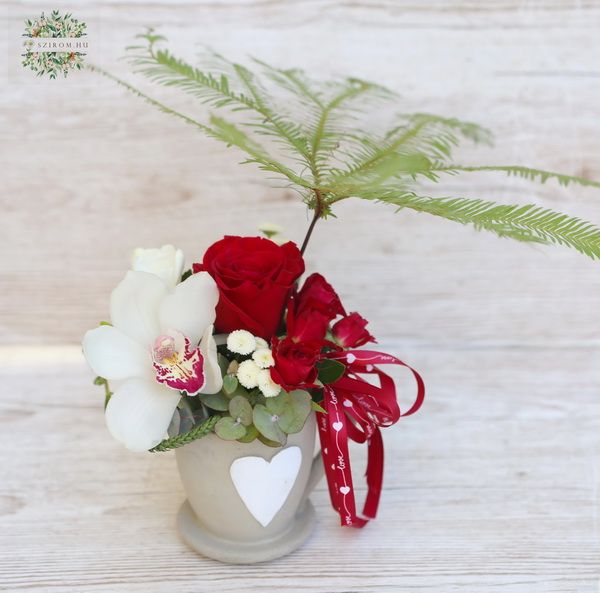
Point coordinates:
[[208, 544]]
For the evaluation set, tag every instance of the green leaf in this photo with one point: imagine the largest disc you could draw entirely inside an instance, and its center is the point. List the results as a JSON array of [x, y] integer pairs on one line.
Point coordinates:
[[241, 410], [529, 223], [223, 364], [230, 384], [313, 136], [107, 392], [229, 429], [330, 370], [267, 426], [265, 441], [251, 434], [215, 401], [186, 416], [290, 410], [316, 407], [294, 416], [518, 171]]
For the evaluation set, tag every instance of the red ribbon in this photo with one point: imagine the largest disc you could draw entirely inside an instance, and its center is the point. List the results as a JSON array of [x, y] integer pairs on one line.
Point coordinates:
[[355, 410]]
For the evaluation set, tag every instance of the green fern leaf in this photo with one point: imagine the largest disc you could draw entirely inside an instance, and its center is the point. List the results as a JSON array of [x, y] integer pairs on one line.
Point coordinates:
[[529, 223], [310, 134], [518, 171]]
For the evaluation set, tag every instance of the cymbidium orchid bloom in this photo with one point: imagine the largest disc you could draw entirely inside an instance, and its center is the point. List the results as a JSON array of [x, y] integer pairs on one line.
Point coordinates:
[[160, 343]]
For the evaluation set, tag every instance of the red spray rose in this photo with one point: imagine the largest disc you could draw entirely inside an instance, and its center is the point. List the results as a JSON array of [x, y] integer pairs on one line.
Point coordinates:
[[351, 332], [254, 277], [317, 294], [307, 326], [310, 312], [295, 363]]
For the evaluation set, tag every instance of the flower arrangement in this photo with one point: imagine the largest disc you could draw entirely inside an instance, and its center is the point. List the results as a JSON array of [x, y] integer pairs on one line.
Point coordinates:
[[233, 346], [238, 345]]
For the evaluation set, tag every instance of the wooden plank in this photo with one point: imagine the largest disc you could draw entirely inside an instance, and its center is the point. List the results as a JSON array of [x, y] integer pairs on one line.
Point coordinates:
[[90, 172], [494, 486]]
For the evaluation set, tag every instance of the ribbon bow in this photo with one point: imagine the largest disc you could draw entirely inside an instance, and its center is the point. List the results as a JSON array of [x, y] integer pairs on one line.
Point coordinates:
[[356, 409]]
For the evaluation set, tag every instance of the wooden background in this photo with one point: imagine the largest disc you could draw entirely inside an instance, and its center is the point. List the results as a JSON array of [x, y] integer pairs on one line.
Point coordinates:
[[495, 485]]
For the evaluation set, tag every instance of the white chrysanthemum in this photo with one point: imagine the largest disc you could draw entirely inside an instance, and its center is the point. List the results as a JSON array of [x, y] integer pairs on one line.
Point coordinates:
[[260, 343], [267, 386], [263, 358], [247, 374], [241, 341]]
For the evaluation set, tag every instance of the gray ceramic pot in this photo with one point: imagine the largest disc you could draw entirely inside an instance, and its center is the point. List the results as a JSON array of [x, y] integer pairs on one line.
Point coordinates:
[[247, 502]]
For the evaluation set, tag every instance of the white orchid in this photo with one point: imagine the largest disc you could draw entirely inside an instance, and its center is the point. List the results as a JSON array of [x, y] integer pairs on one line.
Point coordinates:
[[160, 343], [166, 262]]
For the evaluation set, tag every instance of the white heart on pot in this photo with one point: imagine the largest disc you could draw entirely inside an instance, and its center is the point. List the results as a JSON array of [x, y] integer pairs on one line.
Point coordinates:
[[264, 486]]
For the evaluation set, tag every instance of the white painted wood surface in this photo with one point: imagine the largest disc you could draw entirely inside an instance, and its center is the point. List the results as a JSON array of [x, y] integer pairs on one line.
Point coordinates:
[[494, 485]]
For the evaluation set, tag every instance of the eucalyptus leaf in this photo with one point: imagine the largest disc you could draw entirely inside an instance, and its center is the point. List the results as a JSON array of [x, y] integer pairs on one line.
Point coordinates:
[[266, 424], [270, 443], [294, 415], [251, 434], [215, 401], [277, 404], [241, 410], [230, 384], [229, 429]]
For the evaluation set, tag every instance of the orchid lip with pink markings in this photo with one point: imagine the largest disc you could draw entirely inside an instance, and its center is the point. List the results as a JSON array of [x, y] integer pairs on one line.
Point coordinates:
[[177, 365]]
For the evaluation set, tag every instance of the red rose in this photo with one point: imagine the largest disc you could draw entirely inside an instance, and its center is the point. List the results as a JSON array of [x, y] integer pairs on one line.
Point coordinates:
[[350, 331], [317, 294], [294, 363], [254, 277]]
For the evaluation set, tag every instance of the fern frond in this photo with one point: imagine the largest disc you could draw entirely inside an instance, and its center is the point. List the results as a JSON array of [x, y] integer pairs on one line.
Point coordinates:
[[295, 82], [329, 157], [529, 223], [468, 130], [154, 102], [160, 66], [232, 135], [518, 171], [425, 137], [220, 130], [327, 134]]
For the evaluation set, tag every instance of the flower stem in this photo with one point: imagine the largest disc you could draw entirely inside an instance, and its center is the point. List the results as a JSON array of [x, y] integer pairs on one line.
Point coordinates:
[[313, 222]]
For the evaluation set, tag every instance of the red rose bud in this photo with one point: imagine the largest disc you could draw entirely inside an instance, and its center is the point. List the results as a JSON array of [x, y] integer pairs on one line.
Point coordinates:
[[254, 277], [350, 331], [308, 326], [317, 294], [295, 363]]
